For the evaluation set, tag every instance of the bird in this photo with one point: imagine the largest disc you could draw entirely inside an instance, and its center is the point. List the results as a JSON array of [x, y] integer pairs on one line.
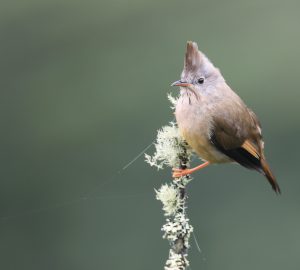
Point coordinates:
[[214, 121]]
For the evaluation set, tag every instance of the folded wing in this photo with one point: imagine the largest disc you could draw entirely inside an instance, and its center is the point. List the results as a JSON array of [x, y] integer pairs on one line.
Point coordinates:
[[237, 134]]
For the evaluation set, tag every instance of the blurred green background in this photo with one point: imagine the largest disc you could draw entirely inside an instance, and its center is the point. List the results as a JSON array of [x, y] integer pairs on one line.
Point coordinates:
[[83, 91]]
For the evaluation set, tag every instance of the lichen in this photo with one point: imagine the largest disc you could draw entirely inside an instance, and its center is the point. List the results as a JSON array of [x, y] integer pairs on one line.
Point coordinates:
[[176, 261], [173, 100], [171, 150], [178, 227], [170, 199], [169, 147]]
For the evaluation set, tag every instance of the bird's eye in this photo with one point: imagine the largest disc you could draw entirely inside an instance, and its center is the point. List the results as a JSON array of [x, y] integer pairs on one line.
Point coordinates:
[[201, 80]]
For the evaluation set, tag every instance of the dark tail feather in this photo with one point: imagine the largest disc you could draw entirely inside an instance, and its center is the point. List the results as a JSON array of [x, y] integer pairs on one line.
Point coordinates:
[[246, 159], [269, 175]]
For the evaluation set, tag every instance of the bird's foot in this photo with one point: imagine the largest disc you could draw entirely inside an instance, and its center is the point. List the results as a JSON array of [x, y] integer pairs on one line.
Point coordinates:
[[177, 173]]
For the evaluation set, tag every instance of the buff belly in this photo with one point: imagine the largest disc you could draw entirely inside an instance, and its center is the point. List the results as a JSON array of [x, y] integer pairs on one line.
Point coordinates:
[[195, 124]]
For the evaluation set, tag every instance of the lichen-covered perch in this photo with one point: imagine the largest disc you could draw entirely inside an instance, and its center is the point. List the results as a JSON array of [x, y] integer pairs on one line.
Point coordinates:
[[171, 150]]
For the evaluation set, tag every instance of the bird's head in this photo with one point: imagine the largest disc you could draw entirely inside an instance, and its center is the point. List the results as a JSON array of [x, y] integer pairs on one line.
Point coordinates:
[[198, 74]]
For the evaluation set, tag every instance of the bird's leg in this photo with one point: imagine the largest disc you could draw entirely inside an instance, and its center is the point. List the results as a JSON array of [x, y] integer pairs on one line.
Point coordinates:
[[181, 172]]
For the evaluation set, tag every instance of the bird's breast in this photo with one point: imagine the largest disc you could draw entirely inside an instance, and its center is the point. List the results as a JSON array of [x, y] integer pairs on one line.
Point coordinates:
[[195, 121]]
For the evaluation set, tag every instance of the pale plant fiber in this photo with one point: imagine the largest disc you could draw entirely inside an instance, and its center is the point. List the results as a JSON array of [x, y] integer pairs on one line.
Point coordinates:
[[172, 151]]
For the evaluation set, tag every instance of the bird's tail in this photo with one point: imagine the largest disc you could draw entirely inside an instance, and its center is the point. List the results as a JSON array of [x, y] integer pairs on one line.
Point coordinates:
[[269, 175]]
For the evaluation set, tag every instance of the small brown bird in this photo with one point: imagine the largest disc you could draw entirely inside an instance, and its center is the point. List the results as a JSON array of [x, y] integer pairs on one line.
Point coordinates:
[[214, 120]]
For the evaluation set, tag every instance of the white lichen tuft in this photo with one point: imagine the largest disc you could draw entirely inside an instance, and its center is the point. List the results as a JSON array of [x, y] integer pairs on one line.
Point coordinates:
[[173, 100], [169, 147], [176, 261], [169, 196], [178, 228]]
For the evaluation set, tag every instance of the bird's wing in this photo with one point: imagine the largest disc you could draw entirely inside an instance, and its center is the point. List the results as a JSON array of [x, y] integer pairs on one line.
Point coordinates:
[[237, 134]]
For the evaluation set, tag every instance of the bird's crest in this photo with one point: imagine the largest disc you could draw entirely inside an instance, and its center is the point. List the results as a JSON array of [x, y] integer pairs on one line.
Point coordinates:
[[193, 57]]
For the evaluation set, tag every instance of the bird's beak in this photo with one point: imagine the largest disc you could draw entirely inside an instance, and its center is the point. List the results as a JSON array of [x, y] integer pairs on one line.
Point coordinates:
[[181, 83]]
